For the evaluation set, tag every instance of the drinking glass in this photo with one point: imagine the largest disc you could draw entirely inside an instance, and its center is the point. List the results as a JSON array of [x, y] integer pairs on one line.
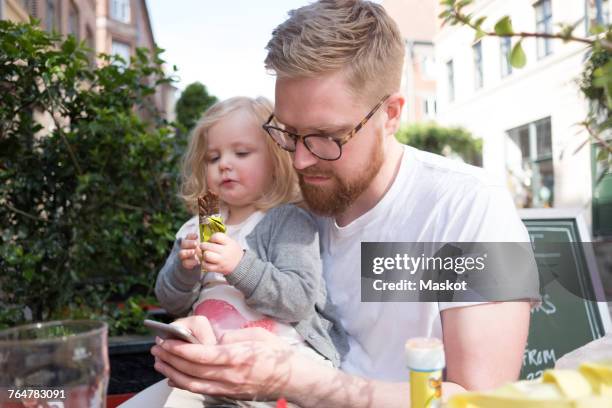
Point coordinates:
[[61, 364]]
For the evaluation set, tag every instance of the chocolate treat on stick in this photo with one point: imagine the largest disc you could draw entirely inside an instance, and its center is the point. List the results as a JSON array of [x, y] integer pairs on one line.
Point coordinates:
[[208, 205], [209, 217]]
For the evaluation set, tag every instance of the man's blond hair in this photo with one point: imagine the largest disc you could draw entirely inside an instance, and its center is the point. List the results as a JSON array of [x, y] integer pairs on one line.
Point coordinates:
[[284, 188], [335, 35]]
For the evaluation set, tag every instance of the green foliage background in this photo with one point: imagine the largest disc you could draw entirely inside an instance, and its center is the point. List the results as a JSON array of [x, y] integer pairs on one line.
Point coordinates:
[[194, 100], [87, 206], [438, 139]]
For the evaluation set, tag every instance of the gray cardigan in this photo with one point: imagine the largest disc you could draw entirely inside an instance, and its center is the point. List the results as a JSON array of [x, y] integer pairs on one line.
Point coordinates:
[[280, 276]]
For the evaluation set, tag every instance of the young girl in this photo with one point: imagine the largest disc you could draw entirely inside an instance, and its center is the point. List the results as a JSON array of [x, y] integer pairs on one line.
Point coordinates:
[[265, 271]]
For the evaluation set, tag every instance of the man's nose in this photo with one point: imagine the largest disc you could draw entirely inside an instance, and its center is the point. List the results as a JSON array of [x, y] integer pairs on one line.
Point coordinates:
[[302, 157]]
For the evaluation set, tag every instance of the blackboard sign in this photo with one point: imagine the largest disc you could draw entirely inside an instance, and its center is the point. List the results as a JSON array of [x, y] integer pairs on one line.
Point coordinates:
[[565, 320]]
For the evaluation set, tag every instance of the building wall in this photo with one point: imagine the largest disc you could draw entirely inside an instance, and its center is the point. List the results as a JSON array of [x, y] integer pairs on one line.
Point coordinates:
[[134, 32], [96, 26], [416, 19], [543, 88], [417, 22], [14, 10]]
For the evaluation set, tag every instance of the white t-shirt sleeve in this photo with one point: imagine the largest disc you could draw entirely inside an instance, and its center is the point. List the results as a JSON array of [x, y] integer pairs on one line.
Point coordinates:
[[482, 214], [485, 214]]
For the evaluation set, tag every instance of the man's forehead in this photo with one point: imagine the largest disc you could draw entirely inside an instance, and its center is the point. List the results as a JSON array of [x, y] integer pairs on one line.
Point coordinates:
[[311, 104], [309, 119]]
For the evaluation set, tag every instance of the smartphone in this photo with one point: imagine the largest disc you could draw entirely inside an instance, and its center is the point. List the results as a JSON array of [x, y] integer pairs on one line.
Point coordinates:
[[171, 331]]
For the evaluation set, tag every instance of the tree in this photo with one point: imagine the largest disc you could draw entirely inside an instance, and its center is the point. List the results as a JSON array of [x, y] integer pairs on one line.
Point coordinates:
[[446, 141], [87, 202], [193, 102], [596, 81]]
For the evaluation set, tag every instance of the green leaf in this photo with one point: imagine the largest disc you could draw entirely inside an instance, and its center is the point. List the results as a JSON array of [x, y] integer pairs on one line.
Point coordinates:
[[600, 81], [504, 26], [479, 21], [608, 89], [479, 35], [597, 29], [602, 155], [444, 14], [517, 56]]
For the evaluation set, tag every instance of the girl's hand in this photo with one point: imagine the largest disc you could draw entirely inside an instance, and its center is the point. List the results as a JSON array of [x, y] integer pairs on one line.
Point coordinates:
[[190, 252], [221, 254]]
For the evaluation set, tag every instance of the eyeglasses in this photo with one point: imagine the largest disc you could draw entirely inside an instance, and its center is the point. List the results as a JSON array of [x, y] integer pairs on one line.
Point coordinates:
[[323, 146]]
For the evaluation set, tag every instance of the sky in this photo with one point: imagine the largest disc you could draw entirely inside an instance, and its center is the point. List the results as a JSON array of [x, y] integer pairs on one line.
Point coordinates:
[[219, 43]]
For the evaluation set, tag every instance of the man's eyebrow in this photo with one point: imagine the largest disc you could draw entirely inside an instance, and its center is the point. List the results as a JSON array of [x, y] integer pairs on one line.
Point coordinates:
[[329, 129]]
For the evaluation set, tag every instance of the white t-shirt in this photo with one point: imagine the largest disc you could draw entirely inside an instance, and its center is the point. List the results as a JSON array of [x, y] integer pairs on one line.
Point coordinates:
[[432, 199]]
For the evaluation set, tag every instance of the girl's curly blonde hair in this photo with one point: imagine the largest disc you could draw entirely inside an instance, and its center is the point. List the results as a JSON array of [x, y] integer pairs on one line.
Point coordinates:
[[284, 188]]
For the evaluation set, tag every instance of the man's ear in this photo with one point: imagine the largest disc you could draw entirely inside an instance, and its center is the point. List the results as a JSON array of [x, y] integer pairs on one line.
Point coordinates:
[[394, 106]]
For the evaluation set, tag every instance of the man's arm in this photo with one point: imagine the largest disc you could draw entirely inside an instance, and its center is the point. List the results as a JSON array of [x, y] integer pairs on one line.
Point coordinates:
[[484, 344], [253, 363], [484, 347]]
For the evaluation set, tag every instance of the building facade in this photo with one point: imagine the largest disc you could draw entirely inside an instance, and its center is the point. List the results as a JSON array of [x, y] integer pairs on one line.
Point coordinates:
[[114, 27], [528, 118], [417, 22]]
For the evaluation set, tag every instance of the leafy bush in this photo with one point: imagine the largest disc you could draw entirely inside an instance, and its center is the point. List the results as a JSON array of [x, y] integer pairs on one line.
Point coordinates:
[[442, 140], [87, 201]]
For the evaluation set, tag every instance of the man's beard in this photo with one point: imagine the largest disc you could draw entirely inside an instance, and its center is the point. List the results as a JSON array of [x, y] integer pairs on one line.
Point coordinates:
[[334, 200]]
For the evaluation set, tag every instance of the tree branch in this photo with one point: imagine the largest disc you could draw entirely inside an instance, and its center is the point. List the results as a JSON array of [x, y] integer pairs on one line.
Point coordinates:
[[466, 21], [25, 214], [132, 207], [597, 137], [68, 147]]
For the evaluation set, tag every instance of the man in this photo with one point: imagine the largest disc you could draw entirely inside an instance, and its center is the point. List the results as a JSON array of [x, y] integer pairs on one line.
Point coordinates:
[[338, 66]]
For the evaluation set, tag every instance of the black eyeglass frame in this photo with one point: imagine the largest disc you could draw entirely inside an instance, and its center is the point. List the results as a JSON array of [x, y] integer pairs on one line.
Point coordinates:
[[339, 141]]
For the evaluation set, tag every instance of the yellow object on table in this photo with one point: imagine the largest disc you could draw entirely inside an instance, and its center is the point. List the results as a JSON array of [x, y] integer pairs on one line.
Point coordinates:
[[425, 359], [588, 387]]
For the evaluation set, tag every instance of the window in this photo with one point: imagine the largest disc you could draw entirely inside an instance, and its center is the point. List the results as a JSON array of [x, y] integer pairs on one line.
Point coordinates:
[[477, 51], [428, 67], [429, 107], [505, 47], [121, 49], [601, 168], [52, 16], [120, 10], [596, 12], [33, 8], [451, 80], [73, 21], [543, 13], [530, 164]]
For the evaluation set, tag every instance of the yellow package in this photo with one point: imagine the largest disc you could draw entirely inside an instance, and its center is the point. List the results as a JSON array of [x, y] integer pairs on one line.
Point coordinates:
[[209, 219], [589, 387]]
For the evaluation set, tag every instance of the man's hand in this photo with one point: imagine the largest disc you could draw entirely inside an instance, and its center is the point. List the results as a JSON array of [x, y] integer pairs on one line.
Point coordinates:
[[245, 364], [221, 254], [255, 364]]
